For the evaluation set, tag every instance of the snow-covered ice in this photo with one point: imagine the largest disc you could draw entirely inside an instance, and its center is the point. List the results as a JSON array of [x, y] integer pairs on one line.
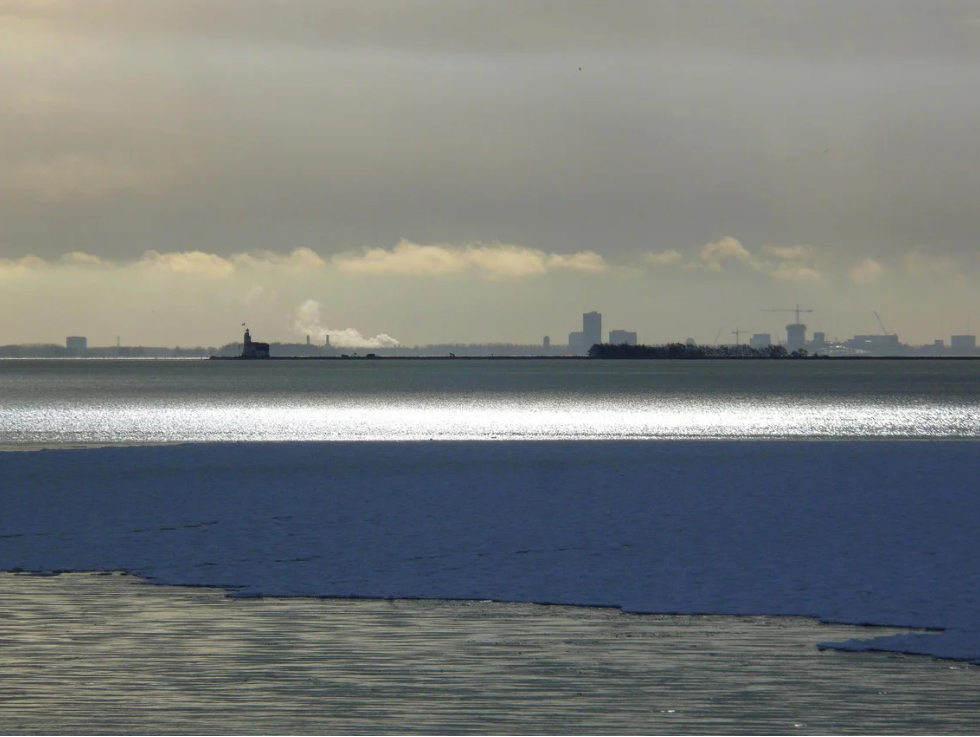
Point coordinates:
[[866, 532]]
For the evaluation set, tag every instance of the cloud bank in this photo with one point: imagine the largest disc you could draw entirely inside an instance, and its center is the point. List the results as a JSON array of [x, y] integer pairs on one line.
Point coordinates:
[[498, 260], [441, 292], [784, 263]]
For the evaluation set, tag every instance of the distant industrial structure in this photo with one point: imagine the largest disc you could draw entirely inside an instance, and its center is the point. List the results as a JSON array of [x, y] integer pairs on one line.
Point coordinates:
[[795, 332]]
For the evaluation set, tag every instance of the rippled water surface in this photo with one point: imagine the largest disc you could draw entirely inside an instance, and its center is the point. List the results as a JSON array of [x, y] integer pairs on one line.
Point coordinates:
[[104, 654], [71, 402]]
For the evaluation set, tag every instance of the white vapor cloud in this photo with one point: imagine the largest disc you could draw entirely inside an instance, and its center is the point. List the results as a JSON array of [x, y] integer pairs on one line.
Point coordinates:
[[496, 260], [308, 321]]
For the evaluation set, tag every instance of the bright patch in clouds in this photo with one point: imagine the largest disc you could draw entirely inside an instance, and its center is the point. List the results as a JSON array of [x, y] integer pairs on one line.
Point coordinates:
[[664, 258], [789, 263], [495, 261], [866, 272], [728, 248], [190, 262]]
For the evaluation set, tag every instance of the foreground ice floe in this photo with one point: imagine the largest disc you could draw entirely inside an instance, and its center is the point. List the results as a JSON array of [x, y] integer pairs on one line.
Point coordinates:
[[869, 532]]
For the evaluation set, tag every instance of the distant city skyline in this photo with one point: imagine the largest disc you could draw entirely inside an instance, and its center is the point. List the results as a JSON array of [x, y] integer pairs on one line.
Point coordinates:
[[443, 171], [797, 336]]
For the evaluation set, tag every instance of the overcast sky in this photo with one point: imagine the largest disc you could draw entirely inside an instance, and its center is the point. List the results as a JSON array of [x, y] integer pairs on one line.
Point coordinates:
[[471, 171]]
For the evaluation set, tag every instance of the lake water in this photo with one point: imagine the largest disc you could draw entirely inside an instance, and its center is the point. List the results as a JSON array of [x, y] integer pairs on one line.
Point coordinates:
[[744, 522], [96, 402], [108, 654]]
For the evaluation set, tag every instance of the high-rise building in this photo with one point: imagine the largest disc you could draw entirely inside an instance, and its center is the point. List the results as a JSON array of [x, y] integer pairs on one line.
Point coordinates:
[[620, 337], [591, 329], [546, 343], [575, 339], [760, 341], [795, 336]]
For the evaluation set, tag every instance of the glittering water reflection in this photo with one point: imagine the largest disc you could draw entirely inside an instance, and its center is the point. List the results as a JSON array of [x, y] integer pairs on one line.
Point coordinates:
[[106, 404], [419, 418]]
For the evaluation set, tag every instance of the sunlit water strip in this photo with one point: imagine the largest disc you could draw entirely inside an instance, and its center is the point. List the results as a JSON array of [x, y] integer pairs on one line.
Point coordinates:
[[532, 417]]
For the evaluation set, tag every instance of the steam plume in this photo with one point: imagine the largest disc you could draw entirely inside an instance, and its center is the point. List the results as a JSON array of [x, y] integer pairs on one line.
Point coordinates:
[[308, 322]]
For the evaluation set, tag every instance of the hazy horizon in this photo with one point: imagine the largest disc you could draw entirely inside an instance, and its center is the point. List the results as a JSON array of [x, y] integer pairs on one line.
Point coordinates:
[[449, 172]]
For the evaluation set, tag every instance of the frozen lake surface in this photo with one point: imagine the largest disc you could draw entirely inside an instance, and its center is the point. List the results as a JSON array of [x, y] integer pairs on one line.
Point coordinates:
[[856, 532]]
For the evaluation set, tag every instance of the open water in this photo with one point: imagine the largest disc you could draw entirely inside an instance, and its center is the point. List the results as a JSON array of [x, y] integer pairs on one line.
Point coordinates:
[[48, 403]]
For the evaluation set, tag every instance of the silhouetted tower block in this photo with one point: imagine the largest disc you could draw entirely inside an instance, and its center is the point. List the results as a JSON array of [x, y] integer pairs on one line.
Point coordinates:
[[795, 336], [591, 329]]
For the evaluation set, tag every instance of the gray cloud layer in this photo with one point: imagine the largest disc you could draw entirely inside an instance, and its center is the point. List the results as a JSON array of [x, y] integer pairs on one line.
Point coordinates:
[[847, 130]]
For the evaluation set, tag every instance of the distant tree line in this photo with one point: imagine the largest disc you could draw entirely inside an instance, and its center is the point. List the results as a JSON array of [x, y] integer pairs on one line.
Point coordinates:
[[689, 350]]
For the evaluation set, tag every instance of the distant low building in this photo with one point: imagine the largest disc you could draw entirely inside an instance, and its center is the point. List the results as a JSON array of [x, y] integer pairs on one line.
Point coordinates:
[[881, 345], [76, 344], [576, 339], [760, 341], [622, 337], [963, 344]]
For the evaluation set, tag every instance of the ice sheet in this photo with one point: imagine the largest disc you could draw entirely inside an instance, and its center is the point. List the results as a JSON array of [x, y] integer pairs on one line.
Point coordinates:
[[872, 532]]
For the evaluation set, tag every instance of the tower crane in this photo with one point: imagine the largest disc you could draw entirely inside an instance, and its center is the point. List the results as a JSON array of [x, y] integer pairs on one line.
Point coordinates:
[[884, 330], [796, 310], [737, 333]]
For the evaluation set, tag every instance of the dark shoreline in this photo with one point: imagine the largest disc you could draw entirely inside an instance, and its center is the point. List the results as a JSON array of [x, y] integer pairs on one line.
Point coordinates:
[[587, 358]]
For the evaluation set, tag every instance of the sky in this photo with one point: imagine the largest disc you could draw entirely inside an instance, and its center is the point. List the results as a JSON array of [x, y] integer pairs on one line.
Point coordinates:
[[434, 171]]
